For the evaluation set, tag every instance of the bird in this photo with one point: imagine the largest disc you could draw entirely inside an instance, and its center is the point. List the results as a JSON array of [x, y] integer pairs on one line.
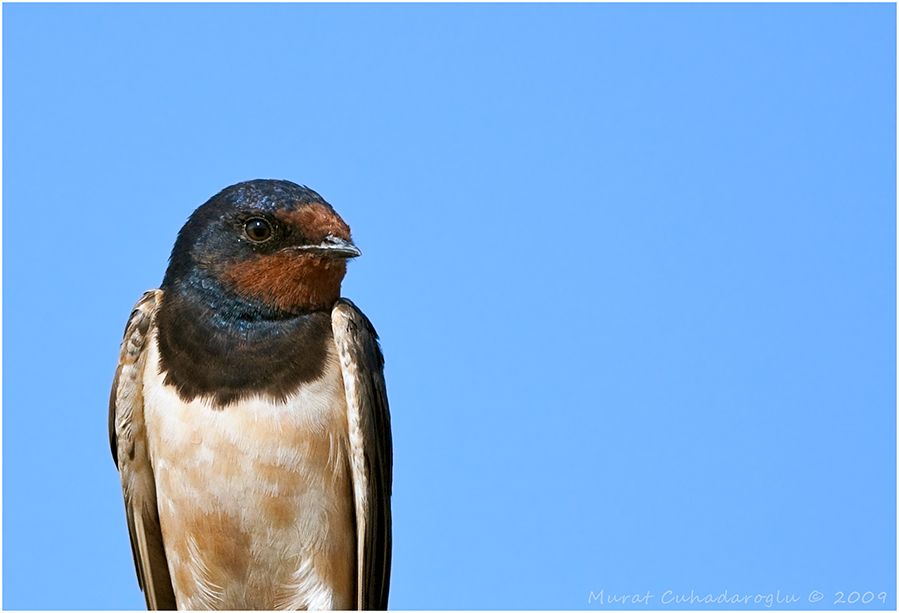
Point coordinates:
[[248, 416]]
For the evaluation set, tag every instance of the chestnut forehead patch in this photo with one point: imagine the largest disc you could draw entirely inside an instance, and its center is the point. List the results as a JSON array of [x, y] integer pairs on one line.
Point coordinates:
[[316, 221]]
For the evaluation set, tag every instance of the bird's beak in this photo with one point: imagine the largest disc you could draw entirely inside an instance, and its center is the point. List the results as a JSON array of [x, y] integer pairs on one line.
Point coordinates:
[[332, 246]]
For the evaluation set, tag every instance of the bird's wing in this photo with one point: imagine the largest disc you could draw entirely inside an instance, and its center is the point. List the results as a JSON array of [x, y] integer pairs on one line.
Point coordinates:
[[371, 450], [127, 438]]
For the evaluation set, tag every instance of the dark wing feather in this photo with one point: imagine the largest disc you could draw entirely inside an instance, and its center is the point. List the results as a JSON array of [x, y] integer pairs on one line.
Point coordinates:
[[371, 450], [127, 439]]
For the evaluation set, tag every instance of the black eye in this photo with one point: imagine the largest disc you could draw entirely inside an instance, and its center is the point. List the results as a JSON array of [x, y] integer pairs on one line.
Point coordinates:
[[258, 229]]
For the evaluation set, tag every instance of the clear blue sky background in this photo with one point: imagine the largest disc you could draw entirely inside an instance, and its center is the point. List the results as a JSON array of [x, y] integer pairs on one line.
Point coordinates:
[[633, 268]]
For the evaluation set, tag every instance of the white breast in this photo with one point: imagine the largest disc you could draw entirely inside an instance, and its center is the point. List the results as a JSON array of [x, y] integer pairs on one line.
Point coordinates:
[[255, 499]]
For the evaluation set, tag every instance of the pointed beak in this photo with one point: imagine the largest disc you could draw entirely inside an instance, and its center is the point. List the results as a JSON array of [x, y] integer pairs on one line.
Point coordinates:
[[332, 246]]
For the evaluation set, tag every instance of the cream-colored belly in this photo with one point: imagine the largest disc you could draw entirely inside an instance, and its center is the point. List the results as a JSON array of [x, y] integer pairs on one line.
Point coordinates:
[[255, 499]]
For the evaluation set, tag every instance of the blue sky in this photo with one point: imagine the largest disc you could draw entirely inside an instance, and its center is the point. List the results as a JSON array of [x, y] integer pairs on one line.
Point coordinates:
[[633, 267]]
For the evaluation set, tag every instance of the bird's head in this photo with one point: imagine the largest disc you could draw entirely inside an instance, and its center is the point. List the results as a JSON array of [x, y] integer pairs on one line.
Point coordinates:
[[271, 243]]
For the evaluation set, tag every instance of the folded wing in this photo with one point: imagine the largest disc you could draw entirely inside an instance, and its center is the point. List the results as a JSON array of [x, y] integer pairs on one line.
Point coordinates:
[[371, 450], [127, 438]]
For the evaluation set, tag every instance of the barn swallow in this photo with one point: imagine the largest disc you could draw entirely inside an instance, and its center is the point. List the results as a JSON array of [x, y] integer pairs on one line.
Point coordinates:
[[248, 416]]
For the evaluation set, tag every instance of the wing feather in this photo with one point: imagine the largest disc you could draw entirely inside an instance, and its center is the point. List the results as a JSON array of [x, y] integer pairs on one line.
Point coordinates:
[[371, 450], [127, 440]]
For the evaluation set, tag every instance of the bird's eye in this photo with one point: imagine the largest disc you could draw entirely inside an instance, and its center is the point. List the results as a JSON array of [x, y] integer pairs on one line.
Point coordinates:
[[258, 229]]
